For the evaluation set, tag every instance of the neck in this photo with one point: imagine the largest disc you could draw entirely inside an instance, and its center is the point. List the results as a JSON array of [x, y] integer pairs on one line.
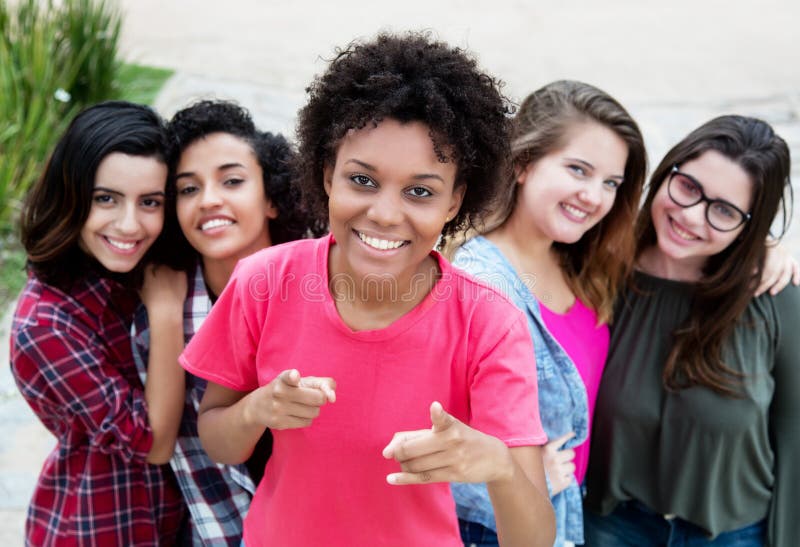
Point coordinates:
[[536, 262], [373, 302], [385, 291], [216, 273], [525, 246], [654, 262]]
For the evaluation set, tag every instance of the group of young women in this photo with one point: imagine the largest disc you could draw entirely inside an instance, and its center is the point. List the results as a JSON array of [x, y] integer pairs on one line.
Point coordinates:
[[356, 388]]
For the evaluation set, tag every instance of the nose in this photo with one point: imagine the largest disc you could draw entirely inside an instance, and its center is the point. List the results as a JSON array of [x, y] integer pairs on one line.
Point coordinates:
[[590, 193], [210, 197], [385, 210], [695, 214], [128, 221]]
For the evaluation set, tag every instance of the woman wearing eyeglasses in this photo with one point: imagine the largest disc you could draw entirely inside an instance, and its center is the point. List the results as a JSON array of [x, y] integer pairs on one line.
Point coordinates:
[[695, 440]]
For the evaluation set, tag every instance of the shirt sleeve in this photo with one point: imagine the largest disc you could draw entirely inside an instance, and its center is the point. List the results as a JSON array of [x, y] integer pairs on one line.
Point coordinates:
[[224, 349], [504, 398], [67, 374], [784, 526]]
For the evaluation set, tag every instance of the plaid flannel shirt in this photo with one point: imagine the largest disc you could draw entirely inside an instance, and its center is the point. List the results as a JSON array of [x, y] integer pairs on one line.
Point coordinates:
[[218, 496], [71, 359]]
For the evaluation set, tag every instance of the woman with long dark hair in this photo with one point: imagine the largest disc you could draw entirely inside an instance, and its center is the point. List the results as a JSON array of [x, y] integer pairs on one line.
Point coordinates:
[[695, 436], [88, 226]]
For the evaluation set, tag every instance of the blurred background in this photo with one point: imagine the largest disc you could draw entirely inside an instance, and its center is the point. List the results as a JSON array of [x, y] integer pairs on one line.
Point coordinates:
[[672, 64]]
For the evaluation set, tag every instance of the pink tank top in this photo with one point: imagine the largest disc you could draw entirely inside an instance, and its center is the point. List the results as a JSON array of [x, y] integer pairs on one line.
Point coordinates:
[[587, 346]]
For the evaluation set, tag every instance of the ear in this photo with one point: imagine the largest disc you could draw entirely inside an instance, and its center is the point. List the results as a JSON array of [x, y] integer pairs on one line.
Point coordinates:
[[521, 172], [455, 201], [327, 177], [271, 210]]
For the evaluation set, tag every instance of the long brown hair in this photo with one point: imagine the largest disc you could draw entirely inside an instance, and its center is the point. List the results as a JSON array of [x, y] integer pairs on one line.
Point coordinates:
[[729, 277], [596, 265]]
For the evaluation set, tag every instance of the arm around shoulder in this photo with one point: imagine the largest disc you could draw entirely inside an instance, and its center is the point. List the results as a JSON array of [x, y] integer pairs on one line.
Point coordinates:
[[163, 294]]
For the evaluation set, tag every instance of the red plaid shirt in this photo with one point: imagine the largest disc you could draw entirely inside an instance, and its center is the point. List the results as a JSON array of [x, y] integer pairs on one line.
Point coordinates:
[[71, 358]]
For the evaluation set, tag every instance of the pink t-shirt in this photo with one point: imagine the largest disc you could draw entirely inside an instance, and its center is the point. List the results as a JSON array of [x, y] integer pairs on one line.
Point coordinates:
[[587, 346], [464, 345]]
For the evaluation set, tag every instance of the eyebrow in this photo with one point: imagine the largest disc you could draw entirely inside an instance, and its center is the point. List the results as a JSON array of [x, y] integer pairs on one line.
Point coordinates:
[[590, 166], [229, 166], [703, 190], [118, 193], [419, 176], [222, 167]]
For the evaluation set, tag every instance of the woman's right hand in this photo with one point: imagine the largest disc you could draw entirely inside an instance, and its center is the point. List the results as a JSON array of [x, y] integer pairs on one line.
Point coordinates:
[[289, 401], [558, 463], [163, 288]]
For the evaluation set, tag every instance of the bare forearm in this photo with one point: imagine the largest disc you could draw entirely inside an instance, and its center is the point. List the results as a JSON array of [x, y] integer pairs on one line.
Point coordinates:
[[226, 433], [522, 508], [165, 386]]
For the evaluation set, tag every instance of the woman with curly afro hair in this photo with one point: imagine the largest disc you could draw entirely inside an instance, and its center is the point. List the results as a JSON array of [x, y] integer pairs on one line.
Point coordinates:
[[383, 372], [234, 196]]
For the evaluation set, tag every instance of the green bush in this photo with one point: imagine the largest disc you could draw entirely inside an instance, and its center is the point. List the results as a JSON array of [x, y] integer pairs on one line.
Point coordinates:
[[92, 30], [54, 60]]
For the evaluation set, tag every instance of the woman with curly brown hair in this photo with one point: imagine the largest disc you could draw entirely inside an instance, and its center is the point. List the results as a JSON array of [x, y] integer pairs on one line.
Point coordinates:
[[234, 196], [383, 372]]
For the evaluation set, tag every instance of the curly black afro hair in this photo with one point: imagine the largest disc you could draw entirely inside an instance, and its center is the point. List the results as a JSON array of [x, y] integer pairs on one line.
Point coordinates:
[[274, 153], [409, 78]]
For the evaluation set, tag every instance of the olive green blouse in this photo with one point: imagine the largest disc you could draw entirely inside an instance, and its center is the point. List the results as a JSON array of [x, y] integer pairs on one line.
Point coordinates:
[[718, 462]]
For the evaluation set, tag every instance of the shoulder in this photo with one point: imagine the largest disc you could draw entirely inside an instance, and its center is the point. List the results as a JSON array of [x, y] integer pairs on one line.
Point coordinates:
[[48, 326], [43, 306], [480, 303], [484, 261], [787, 301], [481, 258], [295, 256], [781, 312]]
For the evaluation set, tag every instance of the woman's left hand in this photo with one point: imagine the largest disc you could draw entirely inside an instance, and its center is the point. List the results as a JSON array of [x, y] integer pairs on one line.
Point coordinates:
[[450, 451]]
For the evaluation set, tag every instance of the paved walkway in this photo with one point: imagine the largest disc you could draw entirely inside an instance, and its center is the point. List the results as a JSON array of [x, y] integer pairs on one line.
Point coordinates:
[[674, 66]]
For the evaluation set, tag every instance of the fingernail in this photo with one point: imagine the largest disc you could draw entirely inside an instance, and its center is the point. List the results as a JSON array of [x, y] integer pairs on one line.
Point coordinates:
[[391, 478]]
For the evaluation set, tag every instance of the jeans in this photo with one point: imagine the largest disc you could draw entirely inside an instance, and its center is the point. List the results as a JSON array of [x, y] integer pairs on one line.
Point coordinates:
[[634, 525], [476, 535]]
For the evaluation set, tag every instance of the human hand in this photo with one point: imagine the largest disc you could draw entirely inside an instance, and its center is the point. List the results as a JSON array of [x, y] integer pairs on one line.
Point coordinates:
[[558, 463], [289, 401], [164, 289], [780, 267], [450, 451]]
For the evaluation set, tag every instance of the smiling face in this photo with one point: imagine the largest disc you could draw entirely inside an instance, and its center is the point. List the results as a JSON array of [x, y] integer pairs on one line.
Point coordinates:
[[685, 239], [568, 191], [127, 211], [389, 198], [221, 205]]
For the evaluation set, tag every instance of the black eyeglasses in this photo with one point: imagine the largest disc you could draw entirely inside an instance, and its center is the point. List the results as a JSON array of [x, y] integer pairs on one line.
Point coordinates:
[[721, 215]]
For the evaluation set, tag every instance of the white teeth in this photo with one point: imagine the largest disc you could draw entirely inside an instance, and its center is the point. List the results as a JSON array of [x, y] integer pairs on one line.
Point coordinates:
[[215, 223], [380, 244], [684, 235], [574, 211], [121, 245]]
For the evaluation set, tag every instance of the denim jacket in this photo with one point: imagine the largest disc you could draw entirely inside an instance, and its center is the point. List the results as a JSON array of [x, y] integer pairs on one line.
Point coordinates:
[[562, 394]]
